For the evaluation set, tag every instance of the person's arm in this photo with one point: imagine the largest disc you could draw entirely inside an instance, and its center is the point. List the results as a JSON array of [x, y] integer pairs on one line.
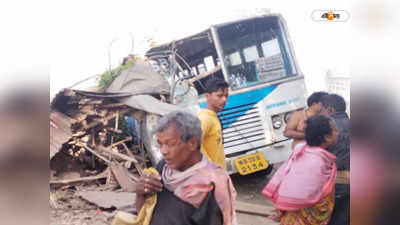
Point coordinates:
[[205, 127], [291, 127], [148, 184], [139, 202]]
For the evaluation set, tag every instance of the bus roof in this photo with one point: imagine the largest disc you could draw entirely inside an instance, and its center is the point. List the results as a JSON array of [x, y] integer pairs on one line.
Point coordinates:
[[194, 44], [187, 44]]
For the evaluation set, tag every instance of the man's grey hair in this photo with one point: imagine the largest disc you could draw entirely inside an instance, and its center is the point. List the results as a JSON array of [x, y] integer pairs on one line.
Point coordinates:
[[187, 124]]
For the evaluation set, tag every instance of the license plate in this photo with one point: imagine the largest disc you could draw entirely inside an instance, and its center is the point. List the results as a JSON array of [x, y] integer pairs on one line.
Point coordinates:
[[251, 163]]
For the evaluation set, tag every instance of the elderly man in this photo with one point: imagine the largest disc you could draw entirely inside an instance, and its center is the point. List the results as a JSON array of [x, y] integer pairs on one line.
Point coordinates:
[[190, 188]]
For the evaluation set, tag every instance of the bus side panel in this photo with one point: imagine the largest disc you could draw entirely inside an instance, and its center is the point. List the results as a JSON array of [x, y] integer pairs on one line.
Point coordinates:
[[247, 124]]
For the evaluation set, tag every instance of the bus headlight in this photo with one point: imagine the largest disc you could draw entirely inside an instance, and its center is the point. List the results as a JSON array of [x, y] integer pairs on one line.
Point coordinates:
[[277, 122], [287, 116]]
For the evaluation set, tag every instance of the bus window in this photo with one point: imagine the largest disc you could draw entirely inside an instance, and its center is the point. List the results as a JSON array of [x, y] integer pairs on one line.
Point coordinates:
[[209, 62], [201, 68], [235, 59], [194, 71], [271, 48], [250, 54], [257, 52]]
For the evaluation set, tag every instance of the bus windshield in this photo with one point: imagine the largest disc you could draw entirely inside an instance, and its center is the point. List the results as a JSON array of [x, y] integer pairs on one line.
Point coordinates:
[[255, 51]]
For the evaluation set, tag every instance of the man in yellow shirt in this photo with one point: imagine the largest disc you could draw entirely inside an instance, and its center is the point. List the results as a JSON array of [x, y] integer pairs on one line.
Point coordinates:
[[212, 144]]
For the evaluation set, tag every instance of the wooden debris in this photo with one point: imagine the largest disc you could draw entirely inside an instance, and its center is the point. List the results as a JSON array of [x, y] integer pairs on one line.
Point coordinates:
[[114, 105], [111, 181], [117, 154], [96, 154], [104, 120], [98, 138], [101, 112], [114, 130], [79, 133], [122, 142], [127, 150], [123, 178], [78, 180], [53, 201]]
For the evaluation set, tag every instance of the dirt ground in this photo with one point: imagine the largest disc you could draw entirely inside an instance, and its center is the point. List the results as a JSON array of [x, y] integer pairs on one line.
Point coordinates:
[[248, 190], [66, 208]]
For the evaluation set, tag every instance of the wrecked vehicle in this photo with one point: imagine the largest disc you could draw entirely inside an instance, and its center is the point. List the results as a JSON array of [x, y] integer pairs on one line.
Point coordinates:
[[255, 56]]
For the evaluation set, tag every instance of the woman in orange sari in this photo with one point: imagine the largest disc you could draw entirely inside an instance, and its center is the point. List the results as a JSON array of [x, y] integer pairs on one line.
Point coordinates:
[[303, 187]]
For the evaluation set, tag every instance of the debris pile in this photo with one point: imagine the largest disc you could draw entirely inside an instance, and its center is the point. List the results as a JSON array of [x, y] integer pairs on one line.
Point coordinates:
[[90, 136], [101, 140]]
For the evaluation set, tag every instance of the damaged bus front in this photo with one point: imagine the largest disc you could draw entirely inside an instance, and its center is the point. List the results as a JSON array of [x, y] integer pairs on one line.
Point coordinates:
[[255, 56]]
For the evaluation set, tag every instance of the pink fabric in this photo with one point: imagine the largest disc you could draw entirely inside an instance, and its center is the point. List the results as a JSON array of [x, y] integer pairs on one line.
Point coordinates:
[[303, 180], [193, 185]]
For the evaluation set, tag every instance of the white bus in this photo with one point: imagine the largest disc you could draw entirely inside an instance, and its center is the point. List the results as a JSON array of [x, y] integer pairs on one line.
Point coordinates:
[[255, 56]]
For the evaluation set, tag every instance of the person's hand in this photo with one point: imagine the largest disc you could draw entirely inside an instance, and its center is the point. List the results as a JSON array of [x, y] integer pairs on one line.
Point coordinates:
[[148, 183]]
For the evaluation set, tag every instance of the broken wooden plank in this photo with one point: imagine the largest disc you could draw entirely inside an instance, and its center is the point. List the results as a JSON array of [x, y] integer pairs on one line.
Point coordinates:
[[123, 178], [138, 166], [87, 109], [127, 150], [53, 201], [113, 105], [104, 121], [95, 153], [80, 117], [117, 154], [116, 125], [60, 131], [96, 102], [78, 180], [85, 138], [254, 209], [121, 142], [111, 181], [113, 130], [101, 112], [78, 134], [116, 120], [84, 101]]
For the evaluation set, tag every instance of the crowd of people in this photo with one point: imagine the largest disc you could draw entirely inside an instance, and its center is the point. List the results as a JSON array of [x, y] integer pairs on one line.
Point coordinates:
[[333, 107], [191, 186]]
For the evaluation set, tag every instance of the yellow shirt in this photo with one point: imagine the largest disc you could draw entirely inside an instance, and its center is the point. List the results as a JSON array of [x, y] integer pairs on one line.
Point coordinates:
[[212, 145]]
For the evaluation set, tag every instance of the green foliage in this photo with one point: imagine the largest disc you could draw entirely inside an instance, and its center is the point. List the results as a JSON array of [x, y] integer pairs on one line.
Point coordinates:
[[108, 77]]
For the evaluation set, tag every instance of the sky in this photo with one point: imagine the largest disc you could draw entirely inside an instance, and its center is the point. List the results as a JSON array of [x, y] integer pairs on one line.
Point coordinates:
[[72, 40]]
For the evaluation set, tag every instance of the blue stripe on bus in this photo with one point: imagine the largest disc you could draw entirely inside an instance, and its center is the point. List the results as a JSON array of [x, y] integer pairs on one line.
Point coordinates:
[[247, 98]]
